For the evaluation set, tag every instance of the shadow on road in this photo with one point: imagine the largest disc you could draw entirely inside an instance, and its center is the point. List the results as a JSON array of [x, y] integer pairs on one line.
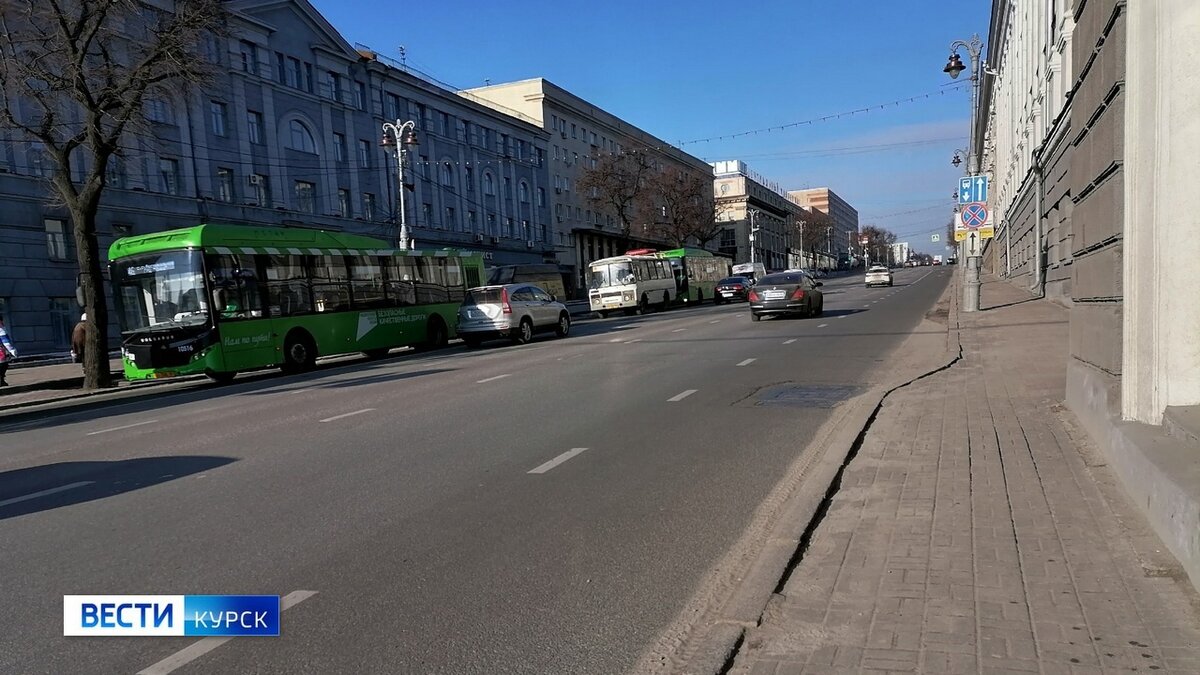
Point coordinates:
[[52, 486], [377, 378]]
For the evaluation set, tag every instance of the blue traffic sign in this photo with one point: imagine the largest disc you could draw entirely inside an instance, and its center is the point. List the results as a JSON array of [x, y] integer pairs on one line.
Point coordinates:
[[975, 215], [972, 189]]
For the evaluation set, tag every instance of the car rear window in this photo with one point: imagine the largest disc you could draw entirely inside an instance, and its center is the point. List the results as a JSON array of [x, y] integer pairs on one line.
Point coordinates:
[[729, 281], [780, 279], [483, 296]]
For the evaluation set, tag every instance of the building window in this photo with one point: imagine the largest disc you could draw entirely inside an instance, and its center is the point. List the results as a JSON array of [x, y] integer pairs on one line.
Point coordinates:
[[451, 223], [225, 184], [249, 57], [254, 122], [364, 154], [262, 189], [489, 185], [502, 144], [301, 138], [339, 147], [426, 214], [509, 230], [308, 78], [523, 192], [290, 71], [115, 173], [507, 188], [333, 83], [485, 137], [525, 230], [469, 179], [447, 175], [344, 202], [541, 196], [573, 132], [56, 238], [158, 110], [62, 321], [393, 106], [491, 224], [545, 232], [306, 197], [168, 174], [368, 205], [444, 126], [472, 223], [38, 164], [460, 130], [216, 112]]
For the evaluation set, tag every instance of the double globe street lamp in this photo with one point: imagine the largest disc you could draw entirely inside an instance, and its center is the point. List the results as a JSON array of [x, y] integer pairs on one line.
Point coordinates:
[[401, 136]]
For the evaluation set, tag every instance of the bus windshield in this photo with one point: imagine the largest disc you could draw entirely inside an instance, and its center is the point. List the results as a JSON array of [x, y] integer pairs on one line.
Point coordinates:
[[611, 274], [160, 290]]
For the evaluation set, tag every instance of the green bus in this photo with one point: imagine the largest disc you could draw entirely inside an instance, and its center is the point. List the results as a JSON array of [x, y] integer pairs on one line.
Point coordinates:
[[697, 272], [219, 299]]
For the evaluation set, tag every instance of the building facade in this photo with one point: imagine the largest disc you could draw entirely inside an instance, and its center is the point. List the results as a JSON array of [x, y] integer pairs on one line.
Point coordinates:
[[580, 132], [747, 201], [287, 135], [845, 219]]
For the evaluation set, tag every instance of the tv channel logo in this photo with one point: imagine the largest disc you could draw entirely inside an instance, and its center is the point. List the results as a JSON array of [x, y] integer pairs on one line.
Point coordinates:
[[171, 615]]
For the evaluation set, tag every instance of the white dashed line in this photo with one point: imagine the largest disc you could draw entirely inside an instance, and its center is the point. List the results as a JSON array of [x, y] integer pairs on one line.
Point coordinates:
[[198, 649], [616, 340], [788, 342], [127, 426], [715, 321], [747, 362], [356, 412], [679, 397], [678, 330], [493, 379], [557, 460], [43, 493], [841, 316], [629, 342], [823, 325]]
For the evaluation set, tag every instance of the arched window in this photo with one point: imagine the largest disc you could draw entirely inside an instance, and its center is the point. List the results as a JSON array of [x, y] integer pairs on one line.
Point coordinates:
[[489, 185], [301, 138], [447, 175], [523, 192]]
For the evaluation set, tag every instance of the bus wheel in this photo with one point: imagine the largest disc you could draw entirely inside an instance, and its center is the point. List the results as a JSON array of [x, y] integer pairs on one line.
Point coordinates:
[[299, 352], [221, 378], [436, 336], [376, 353]]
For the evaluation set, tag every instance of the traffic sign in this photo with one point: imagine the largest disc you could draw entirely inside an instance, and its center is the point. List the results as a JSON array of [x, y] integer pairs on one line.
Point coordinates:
[[972, 189], [975, 215], [974, 246], [936, 238], [960, 235], [986, 232]]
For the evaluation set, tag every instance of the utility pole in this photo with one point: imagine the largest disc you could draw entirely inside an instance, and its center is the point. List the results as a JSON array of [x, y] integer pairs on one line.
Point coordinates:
[[953, 67], [753, 231], [394, 134]]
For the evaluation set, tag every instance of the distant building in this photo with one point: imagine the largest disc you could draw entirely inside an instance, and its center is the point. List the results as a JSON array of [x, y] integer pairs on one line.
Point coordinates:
[[845, 217], [900, 253], [744, 200]]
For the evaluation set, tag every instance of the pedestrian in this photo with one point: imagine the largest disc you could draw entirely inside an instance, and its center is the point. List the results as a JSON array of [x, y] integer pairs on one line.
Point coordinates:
[[7, 353], [79, 339]]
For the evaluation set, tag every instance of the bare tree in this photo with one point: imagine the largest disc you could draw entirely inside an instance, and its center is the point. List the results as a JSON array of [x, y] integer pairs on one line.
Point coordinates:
[[618, 184], [680, 204], [879, 241], [709, 227], [83, 69]]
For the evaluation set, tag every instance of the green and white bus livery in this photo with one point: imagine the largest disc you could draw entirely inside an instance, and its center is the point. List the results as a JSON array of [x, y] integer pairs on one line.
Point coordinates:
[[696, 272], [219, 299]]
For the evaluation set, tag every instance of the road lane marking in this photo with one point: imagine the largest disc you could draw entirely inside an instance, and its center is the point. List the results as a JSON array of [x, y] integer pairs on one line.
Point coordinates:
[[616, 340], [679, 397], [206, 645], [628, 325], [297, 391], [356, 412], [43, 493], [841, 316], [678, 330], [543, 468], [493, 379], [823, 325], [127, 426], [629, 342], [788, 342], [715, 321], [747, 362]]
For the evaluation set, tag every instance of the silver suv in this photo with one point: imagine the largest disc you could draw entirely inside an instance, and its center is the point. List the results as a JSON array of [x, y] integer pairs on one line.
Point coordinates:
[[513, 311]]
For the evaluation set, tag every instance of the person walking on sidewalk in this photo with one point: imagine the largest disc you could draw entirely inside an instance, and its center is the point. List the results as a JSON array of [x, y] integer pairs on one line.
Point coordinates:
[[79, 339], [7, 353]]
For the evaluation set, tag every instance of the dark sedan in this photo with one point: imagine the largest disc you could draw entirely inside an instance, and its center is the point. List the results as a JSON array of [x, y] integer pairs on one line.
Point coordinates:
[[732, 289], [786, 293]]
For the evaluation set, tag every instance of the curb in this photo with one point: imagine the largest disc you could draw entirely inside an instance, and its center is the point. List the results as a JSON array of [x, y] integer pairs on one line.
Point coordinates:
[[711, 642]]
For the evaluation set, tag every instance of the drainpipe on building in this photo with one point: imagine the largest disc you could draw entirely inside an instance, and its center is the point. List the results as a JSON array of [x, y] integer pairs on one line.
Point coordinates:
[[1039, 284], [1007, 250]]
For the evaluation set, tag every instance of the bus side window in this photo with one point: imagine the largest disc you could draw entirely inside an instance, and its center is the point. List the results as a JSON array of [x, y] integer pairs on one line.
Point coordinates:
[[288, 290], [237, 293], [402, 278], [366, 282], [454, 279], [331, 284]]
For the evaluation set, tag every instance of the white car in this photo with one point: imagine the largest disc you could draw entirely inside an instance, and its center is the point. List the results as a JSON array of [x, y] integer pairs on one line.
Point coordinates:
[[878, 275]]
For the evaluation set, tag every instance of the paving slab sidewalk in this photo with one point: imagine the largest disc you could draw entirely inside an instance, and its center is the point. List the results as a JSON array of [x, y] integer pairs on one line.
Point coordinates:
[[978, 531]]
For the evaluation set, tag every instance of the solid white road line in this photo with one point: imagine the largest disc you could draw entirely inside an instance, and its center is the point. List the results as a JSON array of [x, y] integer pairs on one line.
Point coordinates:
[[297, 391], [356, 412], [557, 460], [823, 325], [788, 342], [127, 426], [747, 362], [493, 379], [43, 493], [206, 645], [679, 397]]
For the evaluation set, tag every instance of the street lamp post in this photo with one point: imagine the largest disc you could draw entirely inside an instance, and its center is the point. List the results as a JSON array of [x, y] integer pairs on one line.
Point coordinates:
[[954, 66], [753, 231], [394, 134]]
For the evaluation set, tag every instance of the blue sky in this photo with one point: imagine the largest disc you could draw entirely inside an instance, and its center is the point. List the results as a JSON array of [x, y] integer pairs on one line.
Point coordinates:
[[704, 69]]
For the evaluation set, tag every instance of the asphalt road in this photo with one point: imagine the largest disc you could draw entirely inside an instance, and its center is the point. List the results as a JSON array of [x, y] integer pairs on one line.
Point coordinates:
[[547, 508]]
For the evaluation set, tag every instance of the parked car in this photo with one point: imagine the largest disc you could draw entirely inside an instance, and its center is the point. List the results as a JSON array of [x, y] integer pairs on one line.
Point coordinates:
[[513, 311], [786, 293], [878, 275], [733, 289]]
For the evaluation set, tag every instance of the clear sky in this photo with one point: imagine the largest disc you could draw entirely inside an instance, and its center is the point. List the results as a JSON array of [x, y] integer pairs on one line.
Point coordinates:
[[699, 69]]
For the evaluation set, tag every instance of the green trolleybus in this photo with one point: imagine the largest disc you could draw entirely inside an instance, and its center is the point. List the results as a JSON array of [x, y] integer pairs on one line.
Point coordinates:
[[219, 299], [696, 272]]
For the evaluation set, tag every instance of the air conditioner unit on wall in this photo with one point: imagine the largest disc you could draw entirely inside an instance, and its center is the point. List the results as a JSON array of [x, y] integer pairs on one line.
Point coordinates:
[[479, 238], [495, 240], [255, 179], [529, 244]]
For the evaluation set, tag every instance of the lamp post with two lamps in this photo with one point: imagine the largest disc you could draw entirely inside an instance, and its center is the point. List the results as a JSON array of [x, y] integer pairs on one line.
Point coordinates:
[[401, 135], [954, 67]]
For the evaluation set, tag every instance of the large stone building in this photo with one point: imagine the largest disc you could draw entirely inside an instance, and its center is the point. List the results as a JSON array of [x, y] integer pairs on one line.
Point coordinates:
[[746, 200], [289, 134], [580, 132], [1092, 144], [845, 219]]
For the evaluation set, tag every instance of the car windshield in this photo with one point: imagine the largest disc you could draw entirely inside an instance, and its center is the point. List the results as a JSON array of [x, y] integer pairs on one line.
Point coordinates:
[[780, 279], [160, 290], [611, 274]]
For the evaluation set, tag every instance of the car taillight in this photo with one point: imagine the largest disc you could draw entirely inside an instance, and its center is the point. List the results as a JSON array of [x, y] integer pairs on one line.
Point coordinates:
[[798, 294], [738, 286], [504, 301], [754, 296]]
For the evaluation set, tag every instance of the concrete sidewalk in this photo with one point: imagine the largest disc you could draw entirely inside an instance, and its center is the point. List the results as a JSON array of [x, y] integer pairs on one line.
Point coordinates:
[[977, 531]]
